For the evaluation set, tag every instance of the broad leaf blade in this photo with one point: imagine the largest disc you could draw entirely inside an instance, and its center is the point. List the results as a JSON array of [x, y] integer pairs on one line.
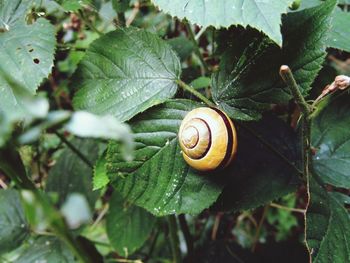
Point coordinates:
[[14, 228], [248, 81], [128, 226], [46, 249], [261, 172], [124, 73], [158, 179], [327, 226], [331, 141], [26, 51], [339, 36], [262, 15], [72, 175]]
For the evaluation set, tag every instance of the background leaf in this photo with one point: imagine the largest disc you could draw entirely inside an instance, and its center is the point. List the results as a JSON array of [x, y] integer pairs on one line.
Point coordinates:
[[128, 226], [265, 16], [71, 175], [14, 228], [124, 73], [331, 140], [158, 179], [46, 249], [339, 37], [327, 226], [27, 51], [248, 81]]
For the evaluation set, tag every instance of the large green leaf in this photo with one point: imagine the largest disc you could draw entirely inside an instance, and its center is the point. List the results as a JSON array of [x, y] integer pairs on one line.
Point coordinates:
[[46, 249], [263, 15], [72, 175], [339, 36], [13, 226], [327, 226], [128, 226], [26, 51], [158, 179], [331, 140], [264, 171], [248, 81], [124, 73]]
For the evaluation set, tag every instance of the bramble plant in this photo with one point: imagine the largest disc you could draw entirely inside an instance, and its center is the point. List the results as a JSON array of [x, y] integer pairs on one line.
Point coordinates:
[[93, 167]]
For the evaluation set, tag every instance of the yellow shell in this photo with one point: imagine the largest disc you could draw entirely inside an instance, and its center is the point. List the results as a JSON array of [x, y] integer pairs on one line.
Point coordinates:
[[208, 139]]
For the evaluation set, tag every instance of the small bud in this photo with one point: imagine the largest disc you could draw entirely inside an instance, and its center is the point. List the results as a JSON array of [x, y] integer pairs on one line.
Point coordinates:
[[295, 5]]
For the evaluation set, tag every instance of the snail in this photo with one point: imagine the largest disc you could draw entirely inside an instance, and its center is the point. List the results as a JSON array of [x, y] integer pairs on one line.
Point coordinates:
[[208, 139]]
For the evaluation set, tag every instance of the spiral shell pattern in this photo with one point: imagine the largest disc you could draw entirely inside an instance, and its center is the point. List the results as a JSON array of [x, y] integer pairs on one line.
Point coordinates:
[[208, 139]]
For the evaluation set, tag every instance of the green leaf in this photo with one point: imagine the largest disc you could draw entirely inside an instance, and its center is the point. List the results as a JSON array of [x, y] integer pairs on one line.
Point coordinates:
[[46, 249], [27, 51], [327, 226], [120, 6], [72, 175], [158, 179], [128, 226], [331, 140], [124, 73], [73, 5], [262, 15], [100, 178], [338, 36], [248, 81], [14, 228], [200, 83], [261, 172], [182, 46]]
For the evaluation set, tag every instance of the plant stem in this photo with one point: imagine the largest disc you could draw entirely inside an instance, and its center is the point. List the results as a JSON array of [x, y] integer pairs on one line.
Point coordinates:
[[290, 209], [288, 78], [196, 47], [257, 233], [174, 239], [199, 95], [75, 150], [187, 234]]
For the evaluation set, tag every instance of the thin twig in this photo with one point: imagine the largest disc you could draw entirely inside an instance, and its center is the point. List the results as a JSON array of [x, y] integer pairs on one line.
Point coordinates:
[[3, 184], [288, 78], [290, 209], [133, 14], [216, 226], [101, 215], [257, 233]]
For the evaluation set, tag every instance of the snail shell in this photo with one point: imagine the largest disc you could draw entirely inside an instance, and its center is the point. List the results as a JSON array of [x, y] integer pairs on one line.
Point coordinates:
[[208, 139]]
